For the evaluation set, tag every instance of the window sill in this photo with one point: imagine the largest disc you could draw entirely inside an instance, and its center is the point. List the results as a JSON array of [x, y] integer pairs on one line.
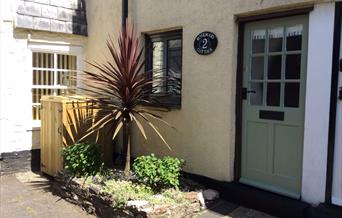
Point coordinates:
[[167, 102], [35, 126]]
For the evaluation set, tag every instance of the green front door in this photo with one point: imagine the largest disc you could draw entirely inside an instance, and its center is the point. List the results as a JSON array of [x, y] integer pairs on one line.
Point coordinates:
[[274, 75]]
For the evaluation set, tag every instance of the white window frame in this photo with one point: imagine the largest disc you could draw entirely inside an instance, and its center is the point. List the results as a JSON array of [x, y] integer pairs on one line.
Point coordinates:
[[55, 49]]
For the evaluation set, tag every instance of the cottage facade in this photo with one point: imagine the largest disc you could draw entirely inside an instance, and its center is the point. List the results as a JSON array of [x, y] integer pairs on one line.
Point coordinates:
[[262, 109]]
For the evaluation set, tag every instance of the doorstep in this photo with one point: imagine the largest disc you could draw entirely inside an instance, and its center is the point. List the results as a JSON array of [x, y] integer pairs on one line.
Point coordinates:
[[240, 194], [225, 209]]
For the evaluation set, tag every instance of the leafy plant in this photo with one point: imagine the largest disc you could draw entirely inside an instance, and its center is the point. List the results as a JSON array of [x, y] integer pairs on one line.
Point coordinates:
[[159, 173], [119, 86], [122, 191], [83, 159]]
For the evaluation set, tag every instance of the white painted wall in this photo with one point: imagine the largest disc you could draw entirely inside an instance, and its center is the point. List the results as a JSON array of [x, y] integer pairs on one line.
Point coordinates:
[[17, 130], [337, 172], [318, 85], [14, 93]]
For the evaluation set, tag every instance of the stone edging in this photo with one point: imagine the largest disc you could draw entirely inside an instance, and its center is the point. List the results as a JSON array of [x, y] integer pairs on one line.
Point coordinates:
[[96, 202]]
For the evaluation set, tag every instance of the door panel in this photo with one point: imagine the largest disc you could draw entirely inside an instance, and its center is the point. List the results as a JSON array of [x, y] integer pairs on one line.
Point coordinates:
[[273, 112], [283, 144], [257, 155]]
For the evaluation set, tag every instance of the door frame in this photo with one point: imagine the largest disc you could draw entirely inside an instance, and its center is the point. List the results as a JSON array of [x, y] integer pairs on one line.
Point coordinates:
[[333, 101], [241, 21]]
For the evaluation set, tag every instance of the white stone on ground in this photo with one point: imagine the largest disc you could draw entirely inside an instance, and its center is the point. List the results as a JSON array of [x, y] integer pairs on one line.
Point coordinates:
[[210, 194], [137, 203], [201, 199]]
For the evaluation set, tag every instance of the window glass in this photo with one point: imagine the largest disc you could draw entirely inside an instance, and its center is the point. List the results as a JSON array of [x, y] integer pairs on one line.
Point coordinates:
[[42, 60], [51, 78], [258, 41], [291, 98], [158, 67], [257, 70], [256, 93], [294, 38], [165, 60], [292, 70], [174, 65], [275, 39], [273, 94], [274, 67]]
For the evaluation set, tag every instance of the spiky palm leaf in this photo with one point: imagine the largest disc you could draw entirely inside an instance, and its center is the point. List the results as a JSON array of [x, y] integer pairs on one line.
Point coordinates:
[[119, 86]]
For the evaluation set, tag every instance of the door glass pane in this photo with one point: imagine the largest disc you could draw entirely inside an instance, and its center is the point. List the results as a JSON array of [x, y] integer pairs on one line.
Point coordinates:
[[276, 39], [291, 98], [258, 41], [158, 67], [256, 94], [292, 69], [274, 67], [294, 38], [257, 70], [273, 94]]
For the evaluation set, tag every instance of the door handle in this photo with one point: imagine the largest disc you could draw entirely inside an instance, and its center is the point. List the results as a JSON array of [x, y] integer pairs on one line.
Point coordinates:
[[245, 92]]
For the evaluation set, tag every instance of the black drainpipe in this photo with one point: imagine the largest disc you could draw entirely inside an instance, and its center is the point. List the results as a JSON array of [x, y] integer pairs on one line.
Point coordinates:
[[124, 12], [333, 101]]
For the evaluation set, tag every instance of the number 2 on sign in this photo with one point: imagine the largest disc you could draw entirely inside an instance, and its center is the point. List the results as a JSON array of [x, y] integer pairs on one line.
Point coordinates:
[[205, 43]]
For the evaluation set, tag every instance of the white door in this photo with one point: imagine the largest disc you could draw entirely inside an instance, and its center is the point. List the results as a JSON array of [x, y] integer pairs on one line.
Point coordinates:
[[337, 173]]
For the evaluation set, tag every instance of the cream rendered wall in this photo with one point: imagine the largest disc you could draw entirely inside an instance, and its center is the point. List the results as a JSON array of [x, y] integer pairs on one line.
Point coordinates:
[[16, 127], [206, 121], [104, 19]]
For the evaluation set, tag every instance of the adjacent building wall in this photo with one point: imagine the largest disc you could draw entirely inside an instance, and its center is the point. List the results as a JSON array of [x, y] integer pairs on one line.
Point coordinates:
[[317, 104], [64, 16], [18, 131]]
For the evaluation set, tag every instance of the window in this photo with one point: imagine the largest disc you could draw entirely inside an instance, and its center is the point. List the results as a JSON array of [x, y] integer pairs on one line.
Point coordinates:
[[52, 74], [164, 60], [275, 74]]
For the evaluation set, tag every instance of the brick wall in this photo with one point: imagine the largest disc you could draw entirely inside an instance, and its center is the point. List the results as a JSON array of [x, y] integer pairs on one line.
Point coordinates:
[[65, 16]]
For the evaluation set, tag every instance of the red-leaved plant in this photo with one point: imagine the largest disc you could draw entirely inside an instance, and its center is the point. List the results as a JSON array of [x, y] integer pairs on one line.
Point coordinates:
[[120, 88]]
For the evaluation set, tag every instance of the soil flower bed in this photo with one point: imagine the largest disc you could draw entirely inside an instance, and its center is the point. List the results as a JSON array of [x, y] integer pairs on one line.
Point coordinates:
[[114, 195]]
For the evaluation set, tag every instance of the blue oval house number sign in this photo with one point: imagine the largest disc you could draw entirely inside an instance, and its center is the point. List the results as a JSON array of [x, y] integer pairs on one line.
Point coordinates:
[[205, 43]]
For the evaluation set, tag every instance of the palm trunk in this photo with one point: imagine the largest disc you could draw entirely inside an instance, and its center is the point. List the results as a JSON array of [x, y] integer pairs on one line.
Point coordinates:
[[127, 146]]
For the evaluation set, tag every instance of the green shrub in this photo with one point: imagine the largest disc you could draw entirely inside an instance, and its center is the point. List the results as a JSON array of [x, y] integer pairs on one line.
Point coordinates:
[[158, 173], [83, 159]]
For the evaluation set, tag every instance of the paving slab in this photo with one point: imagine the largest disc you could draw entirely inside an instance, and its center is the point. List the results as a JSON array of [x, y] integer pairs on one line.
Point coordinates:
[[26, 195]]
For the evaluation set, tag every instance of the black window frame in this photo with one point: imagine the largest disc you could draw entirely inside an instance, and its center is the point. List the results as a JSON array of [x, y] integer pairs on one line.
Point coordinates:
[[166, 100]]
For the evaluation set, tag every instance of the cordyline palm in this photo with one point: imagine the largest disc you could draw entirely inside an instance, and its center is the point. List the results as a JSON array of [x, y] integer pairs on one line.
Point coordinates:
[[118, 89]]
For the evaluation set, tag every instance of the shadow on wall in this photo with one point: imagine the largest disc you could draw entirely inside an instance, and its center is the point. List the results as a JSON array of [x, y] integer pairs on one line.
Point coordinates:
[[80, 118]]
